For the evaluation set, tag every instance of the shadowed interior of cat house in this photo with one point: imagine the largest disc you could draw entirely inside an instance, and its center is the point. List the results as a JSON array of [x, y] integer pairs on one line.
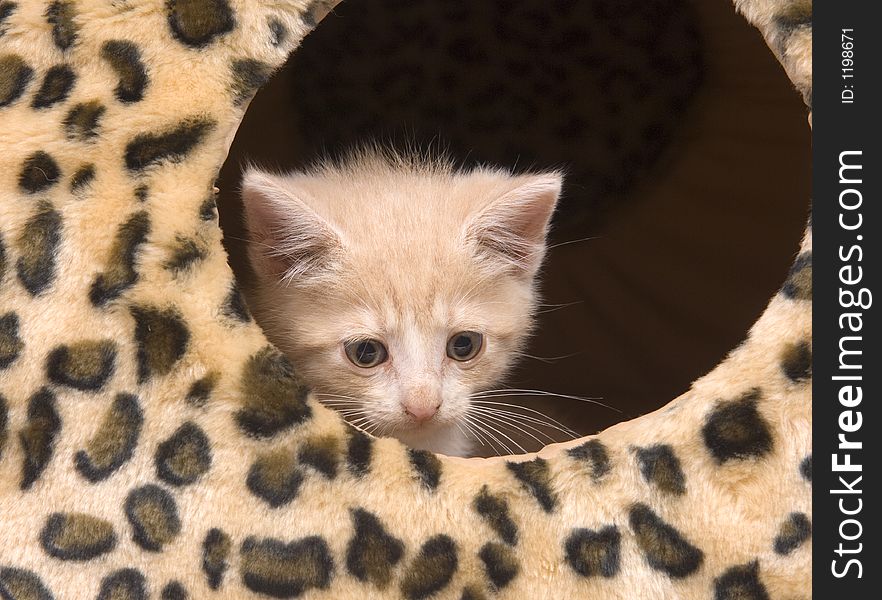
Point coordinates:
[[660, 254]]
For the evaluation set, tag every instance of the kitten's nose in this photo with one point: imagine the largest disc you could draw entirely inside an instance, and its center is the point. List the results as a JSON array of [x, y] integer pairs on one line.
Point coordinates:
[[421, 411]]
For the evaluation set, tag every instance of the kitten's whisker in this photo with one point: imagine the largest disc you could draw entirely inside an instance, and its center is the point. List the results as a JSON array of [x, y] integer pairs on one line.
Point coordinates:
[[494, 440], [523, 392], [568, 242], [465, 431], [517, 421], [528, 409], [547, 359], [526, 420], [561, 305], [478, 436], [328, 395], [529, 422], [511, 424], [506, 436]]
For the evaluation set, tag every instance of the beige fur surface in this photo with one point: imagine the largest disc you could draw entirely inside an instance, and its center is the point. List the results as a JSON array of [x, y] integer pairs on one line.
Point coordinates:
[[153, 445]]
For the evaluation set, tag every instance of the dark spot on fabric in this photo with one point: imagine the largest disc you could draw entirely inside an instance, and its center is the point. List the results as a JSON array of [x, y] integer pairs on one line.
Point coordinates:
[[805, 468], [274, 397], [82, 177], [125, 60], [141, 193], [114, 441], [4, 424], [795, 15], [38, 436], [56, 86], [196, 23], [663, 547], [278, 32], [594, 454], [119, 271], [184, 254], [741, 582], [735, 430], [153, 515], [535, 477], [184, 457], [124, 584], [274, 478], [281, 570], [794, 532], [215, 556], [594, 553], [799, 281], [200, 391], [248, 76], [500, 564], [661, 467], [148, 149], [10, 342], [7, 7], [234, 306], [473, 592], [174, 590], [162, 337], [82, 121], [315, 12], [432, 568], [2, 259], [208, 209], [39, 172], [21, 584], [76, 536], [85, 365], [427, 467], [359, 451], [494, 510], [372, 552], [61, 17], [796, 361], [322, 453], [15, 75], [37, 245]]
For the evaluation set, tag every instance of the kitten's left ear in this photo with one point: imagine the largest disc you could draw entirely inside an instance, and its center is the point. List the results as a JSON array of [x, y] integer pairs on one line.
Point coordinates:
[[512, 228]]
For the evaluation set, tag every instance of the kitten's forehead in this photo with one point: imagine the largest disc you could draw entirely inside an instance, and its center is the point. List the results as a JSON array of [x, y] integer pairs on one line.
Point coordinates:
[[371, 203]]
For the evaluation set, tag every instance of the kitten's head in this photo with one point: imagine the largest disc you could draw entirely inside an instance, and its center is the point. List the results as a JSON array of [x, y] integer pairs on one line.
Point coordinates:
[[398, 287]]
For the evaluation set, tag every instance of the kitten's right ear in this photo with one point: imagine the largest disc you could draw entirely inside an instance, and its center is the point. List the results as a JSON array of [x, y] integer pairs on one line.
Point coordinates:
[[289, 240]]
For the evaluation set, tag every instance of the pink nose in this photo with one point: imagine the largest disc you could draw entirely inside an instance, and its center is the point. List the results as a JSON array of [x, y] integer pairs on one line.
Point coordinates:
[[421, 411]]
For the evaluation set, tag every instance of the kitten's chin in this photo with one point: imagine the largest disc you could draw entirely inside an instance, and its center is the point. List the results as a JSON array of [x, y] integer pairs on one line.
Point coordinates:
[[443, 439]]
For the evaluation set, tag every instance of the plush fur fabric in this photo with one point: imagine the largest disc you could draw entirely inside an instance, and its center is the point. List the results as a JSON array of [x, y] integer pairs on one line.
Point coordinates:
[[153, 445]]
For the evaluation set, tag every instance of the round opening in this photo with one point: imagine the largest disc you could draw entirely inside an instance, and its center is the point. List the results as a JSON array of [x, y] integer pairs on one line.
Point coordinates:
[[687, 158]]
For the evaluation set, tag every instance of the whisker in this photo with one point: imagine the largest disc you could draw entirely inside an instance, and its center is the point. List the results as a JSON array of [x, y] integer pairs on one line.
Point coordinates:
[[511, 424], [525, 420], [524, 392], [494, 439], [506, 436], [527, 408], [568, 242]]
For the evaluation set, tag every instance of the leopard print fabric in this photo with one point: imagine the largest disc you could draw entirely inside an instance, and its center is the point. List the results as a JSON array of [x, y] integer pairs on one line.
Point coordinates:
[[153, 445]]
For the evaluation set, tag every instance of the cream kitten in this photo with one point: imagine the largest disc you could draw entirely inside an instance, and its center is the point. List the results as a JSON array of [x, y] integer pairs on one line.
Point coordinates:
[[398, 286]]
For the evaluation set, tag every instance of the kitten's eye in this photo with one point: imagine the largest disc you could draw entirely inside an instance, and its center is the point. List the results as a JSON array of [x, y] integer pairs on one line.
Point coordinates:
[[464, 345], [365, 353]]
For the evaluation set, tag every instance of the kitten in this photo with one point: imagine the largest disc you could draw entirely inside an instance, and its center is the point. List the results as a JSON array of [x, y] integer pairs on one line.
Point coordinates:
[[398, 285]]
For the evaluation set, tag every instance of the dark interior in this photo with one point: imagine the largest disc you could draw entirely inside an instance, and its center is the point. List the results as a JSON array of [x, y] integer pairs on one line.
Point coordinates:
[[686, 149]]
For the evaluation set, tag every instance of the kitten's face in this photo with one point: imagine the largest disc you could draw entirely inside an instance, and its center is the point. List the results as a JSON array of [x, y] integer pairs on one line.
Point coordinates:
[[398, 292]]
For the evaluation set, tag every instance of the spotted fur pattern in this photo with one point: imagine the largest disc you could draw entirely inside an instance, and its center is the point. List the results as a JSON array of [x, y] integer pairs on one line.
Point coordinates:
[[152, 445]]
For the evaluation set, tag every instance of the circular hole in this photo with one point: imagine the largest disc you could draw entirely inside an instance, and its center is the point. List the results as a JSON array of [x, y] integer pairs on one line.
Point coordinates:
[[686, 150]]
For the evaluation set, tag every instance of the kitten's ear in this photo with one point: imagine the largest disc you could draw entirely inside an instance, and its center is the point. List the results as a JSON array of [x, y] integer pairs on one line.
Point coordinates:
[[290, 241], [512, 228]]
